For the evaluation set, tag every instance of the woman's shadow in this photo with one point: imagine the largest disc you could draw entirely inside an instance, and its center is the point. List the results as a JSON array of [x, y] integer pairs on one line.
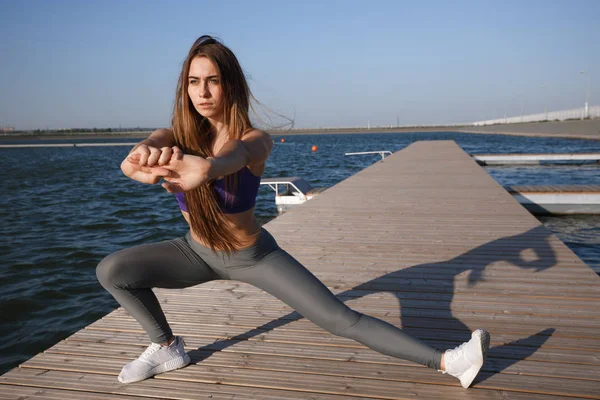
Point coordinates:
[[414, 284]]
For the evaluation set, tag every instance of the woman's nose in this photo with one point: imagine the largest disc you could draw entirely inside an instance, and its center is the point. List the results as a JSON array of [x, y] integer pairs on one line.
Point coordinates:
[[204, 92]]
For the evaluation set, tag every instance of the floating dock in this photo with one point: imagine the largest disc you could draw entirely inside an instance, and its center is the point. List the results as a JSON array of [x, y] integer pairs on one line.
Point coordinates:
[[426, 240], [511, 159], [558, 199]]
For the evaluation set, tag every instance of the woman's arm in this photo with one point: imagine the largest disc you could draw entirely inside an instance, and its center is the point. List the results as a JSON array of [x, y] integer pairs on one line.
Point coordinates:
[[162, 137], [253, 149], [150, 149], [157, 149], [190, 171]]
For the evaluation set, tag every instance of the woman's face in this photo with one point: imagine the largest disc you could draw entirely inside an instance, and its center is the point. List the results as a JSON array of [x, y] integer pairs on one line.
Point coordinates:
[[204, 88]]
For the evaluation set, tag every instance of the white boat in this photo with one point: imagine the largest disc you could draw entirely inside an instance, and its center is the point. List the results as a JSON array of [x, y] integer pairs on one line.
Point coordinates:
[[290, 191]]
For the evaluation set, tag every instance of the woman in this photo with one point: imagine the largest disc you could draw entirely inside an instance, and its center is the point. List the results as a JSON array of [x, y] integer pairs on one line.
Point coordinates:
[[212, 159]]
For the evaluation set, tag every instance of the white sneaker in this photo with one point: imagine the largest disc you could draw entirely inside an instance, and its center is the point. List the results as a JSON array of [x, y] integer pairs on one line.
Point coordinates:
[[156, 359], [465, 361]]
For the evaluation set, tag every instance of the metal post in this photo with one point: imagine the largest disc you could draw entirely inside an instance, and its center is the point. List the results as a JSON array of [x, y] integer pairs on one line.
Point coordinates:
[[587, 97], [586, 109], [522, 105], [544, 87]]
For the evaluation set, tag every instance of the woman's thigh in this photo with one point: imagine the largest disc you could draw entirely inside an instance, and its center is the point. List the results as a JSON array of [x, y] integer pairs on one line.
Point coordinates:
[[284, 277], [168, 264]]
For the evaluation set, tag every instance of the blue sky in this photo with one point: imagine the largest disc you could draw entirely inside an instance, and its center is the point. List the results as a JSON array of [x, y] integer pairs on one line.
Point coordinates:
[[325, 63]]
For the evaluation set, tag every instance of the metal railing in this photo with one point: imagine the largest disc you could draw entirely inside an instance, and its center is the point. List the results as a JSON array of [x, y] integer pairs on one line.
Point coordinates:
[[562, 115]]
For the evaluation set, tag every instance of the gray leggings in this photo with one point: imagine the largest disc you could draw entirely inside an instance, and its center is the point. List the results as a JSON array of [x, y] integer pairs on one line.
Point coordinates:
[[130, 274]]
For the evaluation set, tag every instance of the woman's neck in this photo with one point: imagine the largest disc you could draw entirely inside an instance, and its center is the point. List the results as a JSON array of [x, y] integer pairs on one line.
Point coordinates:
[[220, 135], [218, 127]]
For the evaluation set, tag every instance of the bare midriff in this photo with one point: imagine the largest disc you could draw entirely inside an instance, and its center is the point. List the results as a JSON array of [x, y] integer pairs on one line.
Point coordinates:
[[243, 225]]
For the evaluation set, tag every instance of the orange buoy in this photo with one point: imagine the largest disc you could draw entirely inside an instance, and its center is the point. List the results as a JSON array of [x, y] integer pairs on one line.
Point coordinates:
[[315, 148], [282, 140]]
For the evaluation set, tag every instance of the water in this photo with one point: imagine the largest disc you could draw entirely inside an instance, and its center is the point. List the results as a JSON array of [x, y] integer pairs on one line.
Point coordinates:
[[64, 209]]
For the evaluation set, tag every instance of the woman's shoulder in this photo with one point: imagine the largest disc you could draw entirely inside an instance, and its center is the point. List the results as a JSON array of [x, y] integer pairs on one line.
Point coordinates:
[[256, 133], [258, 140], [260, 144]]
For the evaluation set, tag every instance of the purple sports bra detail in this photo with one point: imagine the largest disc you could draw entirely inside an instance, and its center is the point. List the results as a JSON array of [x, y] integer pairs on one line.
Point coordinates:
[[244, 198], [180, 197]]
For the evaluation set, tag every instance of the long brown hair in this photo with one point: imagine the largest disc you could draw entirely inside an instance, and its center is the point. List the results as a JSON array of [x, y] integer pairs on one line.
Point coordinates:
[[194, 135]]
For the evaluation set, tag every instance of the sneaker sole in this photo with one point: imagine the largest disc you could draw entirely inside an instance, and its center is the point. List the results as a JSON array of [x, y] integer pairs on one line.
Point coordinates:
[[170, 365], [484, 343]]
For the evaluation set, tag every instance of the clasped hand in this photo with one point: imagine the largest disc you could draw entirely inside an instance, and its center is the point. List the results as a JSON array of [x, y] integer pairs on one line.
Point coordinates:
[[180, 172]]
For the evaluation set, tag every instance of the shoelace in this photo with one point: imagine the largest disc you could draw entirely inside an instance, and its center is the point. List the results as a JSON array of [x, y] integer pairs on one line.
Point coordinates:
[[150, 350], [455, 353], [154, 347]]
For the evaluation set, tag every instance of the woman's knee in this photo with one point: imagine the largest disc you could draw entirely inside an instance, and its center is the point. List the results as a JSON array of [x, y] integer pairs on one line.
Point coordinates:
[[341, 325], [109, 270]]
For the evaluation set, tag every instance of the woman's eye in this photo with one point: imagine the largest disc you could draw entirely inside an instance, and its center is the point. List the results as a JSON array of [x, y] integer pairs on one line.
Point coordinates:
[[214, 81], [193, 82]]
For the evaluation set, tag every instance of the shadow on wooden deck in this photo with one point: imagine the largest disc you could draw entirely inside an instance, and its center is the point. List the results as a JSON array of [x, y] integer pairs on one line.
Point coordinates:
[[511, 249]]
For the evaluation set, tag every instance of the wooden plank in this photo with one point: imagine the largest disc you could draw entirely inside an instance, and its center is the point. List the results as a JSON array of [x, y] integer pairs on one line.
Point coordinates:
[[17, 392], [405, 308], [200, 295], [418, 318], [81, 384], [531, 348], [309, 381], [401, 371], [577, 331], [168, 388], [293, 332]]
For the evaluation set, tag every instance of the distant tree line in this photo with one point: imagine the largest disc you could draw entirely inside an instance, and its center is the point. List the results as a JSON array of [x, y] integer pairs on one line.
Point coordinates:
[[68, 131]]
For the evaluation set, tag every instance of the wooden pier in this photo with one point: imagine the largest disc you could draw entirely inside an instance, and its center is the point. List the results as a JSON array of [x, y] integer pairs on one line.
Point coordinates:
[[425, 239]]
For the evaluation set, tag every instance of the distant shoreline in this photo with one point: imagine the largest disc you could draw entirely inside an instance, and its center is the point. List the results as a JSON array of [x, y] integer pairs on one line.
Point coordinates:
[[310, 131], [76, 135], [576, 129]]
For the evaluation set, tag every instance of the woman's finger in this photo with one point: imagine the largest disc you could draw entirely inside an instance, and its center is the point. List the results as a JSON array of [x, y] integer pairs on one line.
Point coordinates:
[[143, 177], [153, 171], [153, 157], [177, 153], [167, 186], [144, 153], [172, 187], [160, 171], [134, 158], [165, 155]]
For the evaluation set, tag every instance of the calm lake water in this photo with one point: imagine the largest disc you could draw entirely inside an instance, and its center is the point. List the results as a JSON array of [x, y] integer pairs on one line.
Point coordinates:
[[64, 209]]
